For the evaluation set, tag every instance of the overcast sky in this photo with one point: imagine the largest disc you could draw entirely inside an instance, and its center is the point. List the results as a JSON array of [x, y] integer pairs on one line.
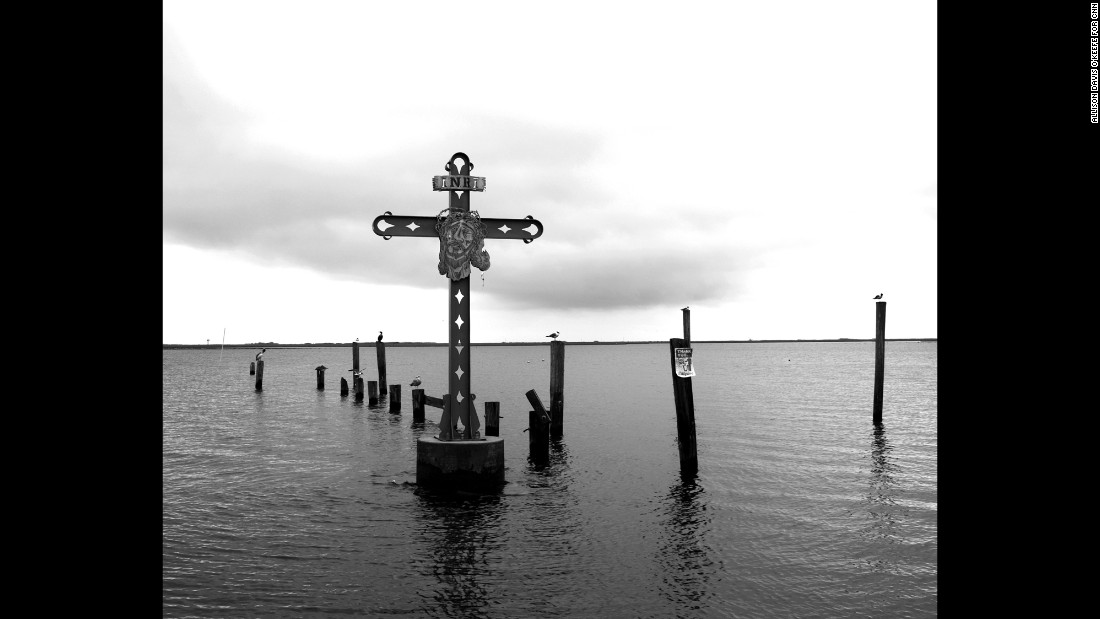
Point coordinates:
[[772, 165]]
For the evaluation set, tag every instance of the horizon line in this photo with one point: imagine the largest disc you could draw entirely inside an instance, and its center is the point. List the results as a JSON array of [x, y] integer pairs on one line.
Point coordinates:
[[539, 343]]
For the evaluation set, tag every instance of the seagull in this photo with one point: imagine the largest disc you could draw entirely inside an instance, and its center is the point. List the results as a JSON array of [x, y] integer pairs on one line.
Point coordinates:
[[685, 307], [554, 335], [416, 381], [379, 336], [356, 339], [879, 296]]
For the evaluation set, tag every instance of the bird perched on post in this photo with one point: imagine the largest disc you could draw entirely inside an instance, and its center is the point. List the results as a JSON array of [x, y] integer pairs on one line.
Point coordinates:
[[554, 335], [416, 381], [379, 336], [879, 296]]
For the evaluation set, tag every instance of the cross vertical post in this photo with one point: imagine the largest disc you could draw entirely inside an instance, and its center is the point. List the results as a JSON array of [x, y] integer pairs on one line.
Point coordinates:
[[458, 357]]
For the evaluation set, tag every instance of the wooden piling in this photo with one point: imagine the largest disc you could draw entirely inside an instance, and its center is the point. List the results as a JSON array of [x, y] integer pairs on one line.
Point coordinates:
[[685, 412], [418, 405], [252, 368], [358, 380], [372, 392], [356, 386], [557, 388], [260, 375], [380, 347], [538, 426], [492, 419], [321, 377], [395, 398], [355, 358], [880, 359], [343, 386], [687, 325]]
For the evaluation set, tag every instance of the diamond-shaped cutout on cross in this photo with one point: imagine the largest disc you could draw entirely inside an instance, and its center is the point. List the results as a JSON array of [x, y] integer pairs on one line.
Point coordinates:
[[412, 226], [504, 228], [458, 321], [459, 372], [459, 296]]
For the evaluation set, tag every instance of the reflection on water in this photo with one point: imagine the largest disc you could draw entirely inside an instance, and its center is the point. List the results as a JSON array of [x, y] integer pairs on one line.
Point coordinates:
[[682, 553], [456, 530], [885, 511], [883, 491]]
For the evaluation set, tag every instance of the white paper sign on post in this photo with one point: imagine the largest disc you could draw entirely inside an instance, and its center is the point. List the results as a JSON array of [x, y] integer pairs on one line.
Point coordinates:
[[684, 367]]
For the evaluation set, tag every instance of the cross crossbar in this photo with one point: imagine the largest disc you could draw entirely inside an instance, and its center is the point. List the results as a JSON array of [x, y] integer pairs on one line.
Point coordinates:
[[389, 225]]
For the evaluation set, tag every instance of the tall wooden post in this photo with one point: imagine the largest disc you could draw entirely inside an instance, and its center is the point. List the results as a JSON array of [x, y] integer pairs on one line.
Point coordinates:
[[557, 388], [358, 384], [418, 405], [355, 370], [380, 347], [685, 412], [687, 325], [395, 398], [321, 377], [260, 375], [492, 419], [880, 358]]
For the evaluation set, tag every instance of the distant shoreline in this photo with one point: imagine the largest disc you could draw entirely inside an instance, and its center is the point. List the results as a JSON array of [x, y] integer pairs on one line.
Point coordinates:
[[544, 343]]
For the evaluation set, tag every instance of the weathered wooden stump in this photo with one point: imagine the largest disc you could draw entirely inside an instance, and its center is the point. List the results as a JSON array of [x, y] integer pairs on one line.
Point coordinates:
[[372, 392], [418, 401], [395, 398], [343, 386], [358, 388], [557, 388], [321, 376], [538, 427], [880, 359], [251, 368], [260, 375], [492, 419]]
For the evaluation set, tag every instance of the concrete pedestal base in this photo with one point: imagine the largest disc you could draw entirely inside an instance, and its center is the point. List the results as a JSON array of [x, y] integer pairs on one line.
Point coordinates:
[[460, 464]]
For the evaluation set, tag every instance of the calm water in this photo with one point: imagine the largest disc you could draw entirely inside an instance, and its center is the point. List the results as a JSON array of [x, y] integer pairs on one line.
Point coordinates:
[[294, 502]]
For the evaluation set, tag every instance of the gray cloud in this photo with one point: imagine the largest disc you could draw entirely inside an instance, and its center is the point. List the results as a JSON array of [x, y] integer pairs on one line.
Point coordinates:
[[221, 191]]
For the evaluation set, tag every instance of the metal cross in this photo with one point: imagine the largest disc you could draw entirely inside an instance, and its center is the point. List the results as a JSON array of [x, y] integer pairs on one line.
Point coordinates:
[[460, 233]]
